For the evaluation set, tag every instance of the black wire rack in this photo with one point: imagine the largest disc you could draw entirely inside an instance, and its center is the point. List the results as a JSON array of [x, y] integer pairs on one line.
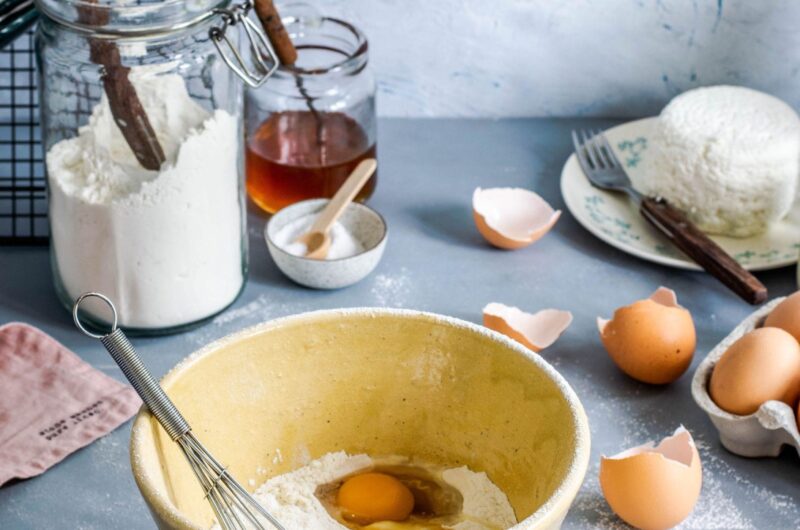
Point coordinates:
[[23, 194], [23, 186]]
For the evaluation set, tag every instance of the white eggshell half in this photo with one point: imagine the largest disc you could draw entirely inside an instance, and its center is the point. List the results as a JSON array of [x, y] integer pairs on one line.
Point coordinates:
[[665, 296], [512, 217], [536, 331], [662, 296]]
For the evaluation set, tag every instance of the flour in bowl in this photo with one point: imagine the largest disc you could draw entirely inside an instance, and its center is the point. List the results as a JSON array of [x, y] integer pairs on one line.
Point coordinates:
[[294, 498]]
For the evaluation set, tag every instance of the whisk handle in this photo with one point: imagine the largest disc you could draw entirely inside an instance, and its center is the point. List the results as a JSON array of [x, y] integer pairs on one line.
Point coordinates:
[[134, 369], [145, 384]]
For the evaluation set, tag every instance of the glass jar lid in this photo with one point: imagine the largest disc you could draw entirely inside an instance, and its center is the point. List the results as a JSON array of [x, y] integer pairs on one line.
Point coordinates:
[[129, 18], [326, 46]]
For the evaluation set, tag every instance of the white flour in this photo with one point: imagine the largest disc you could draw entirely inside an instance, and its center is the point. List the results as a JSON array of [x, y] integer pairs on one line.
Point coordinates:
[[291, 498], [482, 499], [164, 245], [391, 290], [343, 243]]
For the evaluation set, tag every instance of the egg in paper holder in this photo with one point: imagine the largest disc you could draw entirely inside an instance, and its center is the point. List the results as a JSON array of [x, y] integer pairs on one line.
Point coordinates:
[[785, 316], [762, 433]]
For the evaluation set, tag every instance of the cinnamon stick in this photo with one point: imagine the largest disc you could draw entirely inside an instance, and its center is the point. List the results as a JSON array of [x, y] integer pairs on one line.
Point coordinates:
[[273, 25], [126, 107]]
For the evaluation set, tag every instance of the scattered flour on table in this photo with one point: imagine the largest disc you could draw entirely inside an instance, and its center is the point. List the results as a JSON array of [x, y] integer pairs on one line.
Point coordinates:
[[387, 290], [717, 510], [261, 309], [391, 290], [291, 498]]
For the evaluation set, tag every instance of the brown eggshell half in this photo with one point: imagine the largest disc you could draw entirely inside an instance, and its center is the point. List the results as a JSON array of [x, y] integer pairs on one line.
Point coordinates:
[[536, 331], [512, 218], [652, 340], [654, 488], [786, 316], [761, 366]]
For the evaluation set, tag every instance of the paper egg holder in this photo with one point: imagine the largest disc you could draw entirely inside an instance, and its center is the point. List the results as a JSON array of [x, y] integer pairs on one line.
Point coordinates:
[[766, 431]]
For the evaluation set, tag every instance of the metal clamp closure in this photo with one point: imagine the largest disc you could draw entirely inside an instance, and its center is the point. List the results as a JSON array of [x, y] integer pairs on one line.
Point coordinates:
[[265, 60]]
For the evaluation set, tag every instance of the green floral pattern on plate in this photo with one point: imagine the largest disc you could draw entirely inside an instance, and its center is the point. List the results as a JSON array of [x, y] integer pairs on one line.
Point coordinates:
[[613, 218], [632, 150]]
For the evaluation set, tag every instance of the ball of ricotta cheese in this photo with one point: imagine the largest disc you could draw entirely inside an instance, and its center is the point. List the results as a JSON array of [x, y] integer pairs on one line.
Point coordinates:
[[728, 156]]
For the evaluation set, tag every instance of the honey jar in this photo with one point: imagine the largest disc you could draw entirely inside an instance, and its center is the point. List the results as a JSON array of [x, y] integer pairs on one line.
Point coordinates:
[[311, 125]]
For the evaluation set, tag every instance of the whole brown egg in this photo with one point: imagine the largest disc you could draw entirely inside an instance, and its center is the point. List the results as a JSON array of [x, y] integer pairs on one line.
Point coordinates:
[[761, 366], [652, 340]]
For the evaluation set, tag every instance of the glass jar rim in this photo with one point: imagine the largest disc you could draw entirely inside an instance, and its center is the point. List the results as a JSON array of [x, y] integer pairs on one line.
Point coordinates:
[[354, 61], [133, 19]]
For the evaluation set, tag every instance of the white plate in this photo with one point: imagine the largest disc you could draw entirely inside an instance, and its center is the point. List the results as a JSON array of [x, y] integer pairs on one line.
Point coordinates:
[[613, 218]]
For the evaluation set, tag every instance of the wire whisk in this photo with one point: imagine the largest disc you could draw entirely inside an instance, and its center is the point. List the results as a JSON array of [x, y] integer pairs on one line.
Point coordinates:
[[233, 506]]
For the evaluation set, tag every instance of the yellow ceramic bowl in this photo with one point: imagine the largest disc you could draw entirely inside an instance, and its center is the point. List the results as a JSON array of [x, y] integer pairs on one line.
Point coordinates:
[[377, 381]]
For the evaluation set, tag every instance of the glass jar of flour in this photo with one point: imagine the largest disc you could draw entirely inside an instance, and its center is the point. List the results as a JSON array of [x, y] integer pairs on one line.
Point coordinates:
[[141, 125]]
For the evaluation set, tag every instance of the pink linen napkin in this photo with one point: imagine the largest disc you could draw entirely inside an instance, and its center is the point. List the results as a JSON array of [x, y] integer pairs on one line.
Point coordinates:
[[52, 403]]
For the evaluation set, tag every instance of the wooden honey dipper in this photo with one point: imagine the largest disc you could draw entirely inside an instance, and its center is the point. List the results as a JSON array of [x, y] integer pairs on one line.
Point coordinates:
[[273, 25], [287, 55], [126, 108]]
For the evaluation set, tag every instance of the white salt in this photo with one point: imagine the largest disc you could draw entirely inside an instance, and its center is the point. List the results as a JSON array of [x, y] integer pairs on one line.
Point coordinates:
[[343, 243]]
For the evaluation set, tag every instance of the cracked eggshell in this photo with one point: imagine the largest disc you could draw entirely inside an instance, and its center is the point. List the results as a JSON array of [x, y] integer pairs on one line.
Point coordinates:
[[654, 487], [652, 340], [536, 331], [512, 218], [763, 433]]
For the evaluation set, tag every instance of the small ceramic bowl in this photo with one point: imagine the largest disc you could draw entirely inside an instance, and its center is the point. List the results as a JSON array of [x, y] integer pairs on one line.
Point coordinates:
[[366, 225]]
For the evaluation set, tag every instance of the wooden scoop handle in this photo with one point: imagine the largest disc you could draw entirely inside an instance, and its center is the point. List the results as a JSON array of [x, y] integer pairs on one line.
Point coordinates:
[[273, 25], [360, 175], [126, 108], [698, 246]]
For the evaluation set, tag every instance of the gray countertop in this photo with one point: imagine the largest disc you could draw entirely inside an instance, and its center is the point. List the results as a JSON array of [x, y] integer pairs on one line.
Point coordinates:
[[436, 261]]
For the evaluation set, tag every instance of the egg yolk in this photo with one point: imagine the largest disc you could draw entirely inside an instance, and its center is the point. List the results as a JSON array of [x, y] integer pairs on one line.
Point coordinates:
[[373, 497]]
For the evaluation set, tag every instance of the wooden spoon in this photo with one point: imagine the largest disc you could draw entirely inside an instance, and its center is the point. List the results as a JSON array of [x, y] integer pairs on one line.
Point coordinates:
[[126, 107], [318, 239], [273, 25]]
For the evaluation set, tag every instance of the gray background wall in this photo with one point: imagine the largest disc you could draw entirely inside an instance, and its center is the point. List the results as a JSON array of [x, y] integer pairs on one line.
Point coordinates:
[[497, 58]]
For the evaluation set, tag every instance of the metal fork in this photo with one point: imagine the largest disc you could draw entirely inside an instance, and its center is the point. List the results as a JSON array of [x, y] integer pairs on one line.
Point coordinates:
[[604, 171]]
